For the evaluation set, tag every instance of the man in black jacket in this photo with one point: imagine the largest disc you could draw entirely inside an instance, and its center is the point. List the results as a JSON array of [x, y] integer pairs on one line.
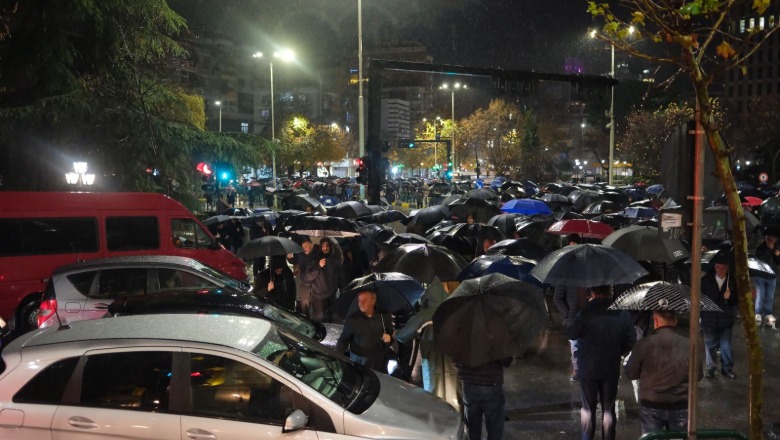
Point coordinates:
[[660, 362], [720, 287], [367, 334], [603, 336], [483, 398], [301, 261], [325, 277], [277, 283]]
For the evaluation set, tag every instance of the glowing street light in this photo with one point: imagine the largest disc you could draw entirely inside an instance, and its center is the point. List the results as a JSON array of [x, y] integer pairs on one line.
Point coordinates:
[[219, 104], [284, 55], [80, 177]]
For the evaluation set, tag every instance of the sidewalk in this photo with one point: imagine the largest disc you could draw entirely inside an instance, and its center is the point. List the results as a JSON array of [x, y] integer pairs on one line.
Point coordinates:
[[543, 404]]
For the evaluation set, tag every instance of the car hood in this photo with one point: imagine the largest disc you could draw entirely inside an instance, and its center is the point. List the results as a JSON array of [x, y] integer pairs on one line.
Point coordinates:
[[404, 411]]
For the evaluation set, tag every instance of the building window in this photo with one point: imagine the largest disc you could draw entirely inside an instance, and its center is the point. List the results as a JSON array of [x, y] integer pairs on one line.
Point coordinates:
[[758, 89], [771, 21], [752, 24], [761, 23], [245, 127]]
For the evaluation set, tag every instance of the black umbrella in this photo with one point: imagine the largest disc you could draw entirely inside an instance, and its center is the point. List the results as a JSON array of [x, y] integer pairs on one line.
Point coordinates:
[[406, 238], [384, 217], [427, 217], [216, 219], [395, 292], [587, 265], [476, 230], [756, 267], [523, 247], [480, 209], [449, 198], [377, 233], [349, 209], [488, 318], [505, 223], [462, 245], [482, 194], [601, 207], [660, 295], [582, 198], [644, 244], [324, 226], [268, 246], [423, 262], [304, 201]]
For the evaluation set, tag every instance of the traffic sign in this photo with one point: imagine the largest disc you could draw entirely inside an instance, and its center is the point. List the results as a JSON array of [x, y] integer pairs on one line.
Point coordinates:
[[763, 177]]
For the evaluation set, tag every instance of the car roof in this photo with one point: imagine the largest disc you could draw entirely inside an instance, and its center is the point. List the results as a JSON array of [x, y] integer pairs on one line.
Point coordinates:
[[240, 332], [135, 260]]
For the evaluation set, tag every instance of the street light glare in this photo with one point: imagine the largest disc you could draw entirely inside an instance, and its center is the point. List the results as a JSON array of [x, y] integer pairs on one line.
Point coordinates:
[[285, 55], [218, 103], [257, 55]]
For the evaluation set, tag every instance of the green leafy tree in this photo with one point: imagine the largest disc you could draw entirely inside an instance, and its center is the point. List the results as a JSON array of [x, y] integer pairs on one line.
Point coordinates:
[[302, 145], [96, 80], [493, 134], [537, 164], [698, 39]]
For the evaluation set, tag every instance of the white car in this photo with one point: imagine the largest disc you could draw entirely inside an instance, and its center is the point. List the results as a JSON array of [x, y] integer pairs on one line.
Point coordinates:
[[202, 377]]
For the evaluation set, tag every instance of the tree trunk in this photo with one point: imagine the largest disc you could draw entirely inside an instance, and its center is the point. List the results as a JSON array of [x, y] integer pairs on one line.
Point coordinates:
[[739, 238]]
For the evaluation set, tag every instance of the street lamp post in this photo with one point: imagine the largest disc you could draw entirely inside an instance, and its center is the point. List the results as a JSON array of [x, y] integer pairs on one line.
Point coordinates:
[[219, 104], [361, 129], [612, 108], [285, 55], [452, 106]]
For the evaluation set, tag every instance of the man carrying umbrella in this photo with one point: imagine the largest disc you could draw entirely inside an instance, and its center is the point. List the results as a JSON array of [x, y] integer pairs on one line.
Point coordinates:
[[660, 363], [277, 283], [302, 261], [367, 334], [326, 277], [720, 287], [603, 336]]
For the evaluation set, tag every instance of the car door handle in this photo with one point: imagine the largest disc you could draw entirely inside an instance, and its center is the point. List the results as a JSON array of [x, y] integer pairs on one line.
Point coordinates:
[[101, 306], [82, 422], [199, 434]]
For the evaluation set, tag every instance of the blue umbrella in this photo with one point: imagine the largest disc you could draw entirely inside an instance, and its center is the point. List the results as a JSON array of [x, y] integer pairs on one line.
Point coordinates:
[[511, 266], [497, 182], [329, 200], [526, 206], [655, 189], [639, 212]]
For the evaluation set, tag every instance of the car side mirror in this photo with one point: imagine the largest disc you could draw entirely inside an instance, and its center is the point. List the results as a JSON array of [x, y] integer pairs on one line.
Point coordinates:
[[296, 421], [214, 245]]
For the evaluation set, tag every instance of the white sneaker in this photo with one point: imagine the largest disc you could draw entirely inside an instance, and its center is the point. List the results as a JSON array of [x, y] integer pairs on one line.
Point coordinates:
[[759, 318], [770, 320]]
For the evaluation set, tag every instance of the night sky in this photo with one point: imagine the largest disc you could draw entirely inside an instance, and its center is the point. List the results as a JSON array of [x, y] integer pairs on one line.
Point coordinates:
[[515, 34]]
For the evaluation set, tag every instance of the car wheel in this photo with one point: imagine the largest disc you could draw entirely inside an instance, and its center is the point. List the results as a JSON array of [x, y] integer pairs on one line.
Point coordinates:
[[27, 316]]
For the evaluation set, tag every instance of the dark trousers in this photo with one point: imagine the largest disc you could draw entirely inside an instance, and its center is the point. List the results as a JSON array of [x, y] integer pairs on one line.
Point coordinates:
[[303, 299], [593, 393], [484, 402], [653, 419], [318, 308], [714, 338]]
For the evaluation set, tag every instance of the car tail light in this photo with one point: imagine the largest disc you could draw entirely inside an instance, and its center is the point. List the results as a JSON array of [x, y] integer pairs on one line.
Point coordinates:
[[47, 309]]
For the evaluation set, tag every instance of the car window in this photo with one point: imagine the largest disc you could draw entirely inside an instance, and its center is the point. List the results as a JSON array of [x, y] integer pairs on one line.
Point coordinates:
[[129, 281], [174, 278], [48, 236], [134, 380], [227, 388], [132, 233], [48, 385], [82, 281], [188, 234]]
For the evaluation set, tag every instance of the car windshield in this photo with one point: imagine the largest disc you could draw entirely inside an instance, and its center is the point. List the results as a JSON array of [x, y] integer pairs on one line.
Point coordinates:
[[331, 375], [222, 278], [290, 320]]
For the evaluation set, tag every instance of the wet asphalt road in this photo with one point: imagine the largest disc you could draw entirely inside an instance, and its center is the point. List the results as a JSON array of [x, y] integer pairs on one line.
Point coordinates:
[[543, 404]]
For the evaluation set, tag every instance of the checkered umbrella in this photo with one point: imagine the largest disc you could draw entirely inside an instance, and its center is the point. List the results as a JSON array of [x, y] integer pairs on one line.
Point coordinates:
[[660, 295]]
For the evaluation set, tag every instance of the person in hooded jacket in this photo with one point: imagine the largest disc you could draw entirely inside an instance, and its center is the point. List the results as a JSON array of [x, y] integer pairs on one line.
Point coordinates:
[[277, 283], [326, 278]]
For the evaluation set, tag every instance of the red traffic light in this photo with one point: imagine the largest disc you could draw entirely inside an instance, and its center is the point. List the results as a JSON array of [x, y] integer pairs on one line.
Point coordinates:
[[204, 168]]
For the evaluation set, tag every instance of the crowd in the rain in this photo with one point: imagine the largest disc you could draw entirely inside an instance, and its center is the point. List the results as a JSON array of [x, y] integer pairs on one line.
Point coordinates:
[[406, 288]]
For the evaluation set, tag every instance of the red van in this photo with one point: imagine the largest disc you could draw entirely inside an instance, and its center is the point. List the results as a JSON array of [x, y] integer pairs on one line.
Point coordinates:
[[40, 231]]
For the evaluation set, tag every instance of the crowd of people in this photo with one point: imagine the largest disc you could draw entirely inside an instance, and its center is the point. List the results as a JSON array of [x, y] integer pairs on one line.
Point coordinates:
[[601, 340]]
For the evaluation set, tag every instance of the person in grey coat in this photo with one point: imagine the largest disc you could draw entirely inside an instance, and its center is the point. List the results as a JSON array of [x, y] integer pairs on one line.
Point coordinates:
[[660, 361]]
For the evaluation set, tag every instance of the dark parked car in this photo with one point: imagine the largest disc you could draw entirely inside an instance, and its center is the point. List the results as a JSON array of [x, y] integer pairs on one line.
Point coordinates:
[[223, 301]]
